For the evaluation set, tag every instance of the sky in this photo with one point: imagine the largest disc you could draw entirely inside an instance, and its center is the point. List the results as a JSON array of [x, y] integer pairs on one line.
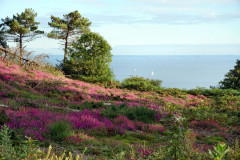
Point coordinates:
[[141, 22]]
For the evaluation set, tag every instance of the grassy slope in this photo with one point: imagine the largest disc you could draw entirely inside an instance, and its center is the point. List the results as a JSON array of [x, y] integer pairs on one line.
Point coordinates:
[[35, 100]]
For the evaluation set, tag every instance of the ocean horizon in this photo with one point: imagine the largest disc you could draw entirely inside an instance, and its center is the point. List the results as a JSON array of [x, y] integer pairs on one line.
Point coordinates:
[[175, 71]]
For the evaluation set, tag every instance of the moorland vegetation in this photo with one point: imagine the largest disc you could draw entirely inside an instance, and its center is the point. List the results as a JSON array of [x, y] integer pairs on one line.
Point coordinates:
[[44, 114]]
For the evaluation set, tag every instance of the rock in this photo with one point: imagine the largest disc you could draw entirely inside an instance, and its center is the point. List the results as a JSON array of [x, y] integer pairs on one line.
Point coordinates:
[[2, 105]]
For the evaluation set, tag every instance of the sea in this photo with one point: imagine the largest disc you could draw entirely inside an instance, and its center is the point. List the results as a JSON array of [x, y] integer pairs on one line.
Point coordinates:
[[175, 71]]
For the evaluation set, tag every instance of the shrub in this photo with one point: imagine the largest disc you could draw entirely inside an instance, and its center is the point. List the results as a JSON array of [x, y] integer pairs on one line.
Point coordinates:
[[141, 83], [89, 56], [3, 117], [60, 130], [141, 114]]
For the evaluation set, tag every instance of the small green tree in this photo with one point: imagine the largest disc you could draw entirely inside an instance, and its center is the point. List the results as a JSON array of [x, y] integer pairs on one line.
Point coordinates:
[[232, 78], [89, 56], [72, 25], [21, 28]]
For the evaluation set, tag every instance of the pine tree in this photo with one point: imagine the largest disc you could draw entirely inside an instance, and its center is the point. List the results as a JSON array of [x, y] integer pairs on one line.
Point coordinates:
[[71, 26], [21, 28], [232, 78]]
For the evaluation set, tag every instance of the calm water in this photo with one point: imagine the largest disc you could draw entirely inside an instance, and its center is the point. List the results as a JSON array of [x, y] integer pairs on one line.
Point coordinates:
[[175, 71]]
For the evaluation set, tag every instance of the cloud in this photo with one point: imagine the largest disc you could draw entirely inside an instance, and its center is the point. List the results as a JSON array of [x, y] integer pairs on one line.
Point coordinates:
[[173, 12], [91, 2], [185, 2]]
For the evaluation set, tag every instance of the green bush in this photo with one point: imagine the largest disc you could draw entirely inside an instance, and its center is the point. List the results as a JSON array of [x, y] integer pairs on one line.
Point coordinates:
[[89, 56], [213, 92], [141, 83], [141, 114], [3, 117], [60, 130]]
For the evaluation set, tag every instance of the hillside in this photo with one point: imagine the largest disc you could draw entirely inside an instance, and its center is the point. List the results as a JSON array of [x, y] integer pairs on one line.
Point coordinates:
[[113, 123]]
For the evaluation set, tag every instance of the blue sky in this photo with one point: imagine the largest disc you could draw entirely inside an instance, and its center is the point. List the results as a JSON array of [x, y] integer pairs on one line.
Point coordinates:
[[141, 22]]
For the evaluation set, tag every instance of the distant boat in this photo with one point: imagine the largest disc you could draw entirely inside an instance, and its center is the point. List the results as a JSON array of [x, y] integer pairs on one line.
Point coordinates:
[[152, 73]]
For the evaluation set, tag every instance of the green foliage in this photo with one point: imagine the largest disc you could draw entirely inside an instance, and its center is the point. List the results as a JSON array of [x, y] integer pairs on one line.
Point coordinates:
[[87, 105], [141, 83], [213, 92], [219, 151], [142, 114], [3, 117], [89, 56], [22, 27], [6, 143], [211, 139], [27, 150], [232, 78], [179, 145], [60, 130], [234, 152], [72, 25], [171, 91]]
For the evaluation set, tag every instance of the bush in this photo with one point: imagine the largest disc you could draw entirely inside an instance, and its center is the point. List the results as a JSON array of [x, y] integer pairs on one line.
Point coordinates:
[[213, 92], [141, 114], [60, 130], [141, 83], [89, 56]]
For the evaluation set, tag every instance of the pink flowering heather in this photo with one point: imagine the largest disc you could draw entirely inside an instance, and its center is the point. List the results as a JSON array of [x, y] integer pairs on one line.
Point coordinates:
[[124, 122]]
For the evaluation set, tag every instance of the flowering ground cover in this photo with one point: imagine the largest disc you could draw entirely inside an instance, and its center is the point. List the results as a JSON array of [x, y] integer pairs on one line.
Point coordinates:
[[110, 122]]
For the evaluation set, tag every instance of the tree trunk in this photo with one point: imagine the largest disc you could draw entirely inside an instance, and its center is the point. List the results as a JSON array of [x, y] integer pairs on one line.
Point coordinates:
[[65, 49], [21, 50]]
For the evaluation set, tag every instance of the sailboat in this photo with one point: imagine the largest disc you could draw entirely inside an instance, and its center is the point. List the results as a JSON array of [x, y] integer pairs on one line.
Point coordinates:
[[152, 73]]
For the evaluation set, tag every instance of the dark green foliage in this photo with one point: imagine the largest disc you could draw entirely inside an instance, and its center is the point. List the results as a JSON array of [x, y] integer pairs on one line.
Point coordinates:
[[3, 117], [87, 105], [21, 28], [72, 25], [211, 140], [60, 130], [141, 114], [232, 78], [90, 56], [213, 92], [6, 143], [141, 83], [171, 91]]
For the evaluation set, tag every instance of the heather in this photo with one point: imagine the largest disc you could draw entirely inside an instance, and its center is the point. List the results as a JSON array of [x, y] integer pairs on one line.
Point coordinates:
[[39, 109]]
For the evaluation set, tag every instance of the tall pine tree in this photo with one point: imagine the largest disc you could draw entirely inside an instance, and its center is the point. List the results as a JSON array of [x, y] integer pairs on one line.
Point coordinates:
[[71, 26], [21, 28]]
